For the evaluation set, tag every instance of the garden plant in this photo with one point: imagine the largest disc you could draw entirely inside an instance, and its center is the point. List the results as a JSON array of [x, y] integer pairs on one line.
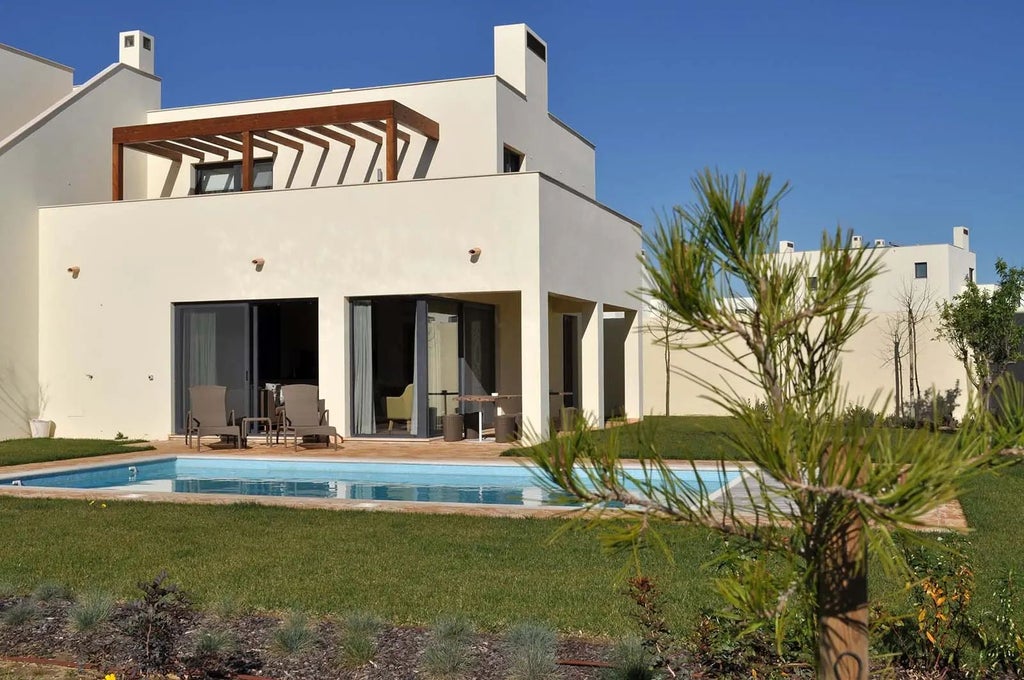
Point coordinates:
[[821, 490]]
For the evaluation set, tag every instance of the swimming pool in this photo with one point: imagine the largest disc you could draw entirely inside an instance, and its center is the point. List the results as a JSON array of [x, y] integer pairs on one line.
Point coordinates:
[[488, 484]]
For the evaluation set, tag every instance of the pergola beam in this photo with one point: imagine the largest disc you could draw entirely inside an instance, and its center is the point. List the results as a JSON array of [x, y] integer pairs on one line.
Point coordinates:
[[245, 132], [331, 133], [278, 139], [306, 137], [362, 132]]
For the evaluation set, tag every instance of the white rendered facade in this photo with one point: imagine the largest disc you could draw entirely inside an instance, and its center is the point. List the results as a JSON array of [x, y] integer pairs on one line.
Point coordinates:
[[101, 342], [867, 364]]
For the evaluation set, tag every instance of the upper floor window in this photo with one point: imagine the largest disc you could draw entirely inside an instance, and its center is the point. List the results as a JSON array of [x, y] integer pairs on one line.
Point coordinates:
[[920, 270], [812, 283], [513, 160], [218, 178]]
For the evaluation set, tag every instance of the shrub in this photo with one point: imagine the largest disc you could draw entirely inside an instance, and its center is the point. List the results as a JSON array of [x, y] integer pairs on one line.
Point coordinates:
[[214, 655], [860, 416], [294, 636], [531, 649], [89, 613], [157, 620], [358, 639], [632, 661], [19, 614], [48, 591], [227, 606], [447, 654]]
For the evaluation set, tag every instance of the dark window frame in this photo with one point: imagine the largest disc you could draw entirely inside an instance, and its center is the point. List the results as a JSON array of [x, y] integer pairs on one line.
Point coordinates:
[[920, 273], [509, 153], [534, 44], [235, 165], [812, 283]]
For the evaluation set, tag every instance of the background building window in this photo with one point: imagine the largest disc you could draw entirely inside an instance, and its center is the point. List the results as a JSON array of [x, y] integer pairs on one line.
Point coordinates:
[[812, 283], [513, 160], [920, 270]]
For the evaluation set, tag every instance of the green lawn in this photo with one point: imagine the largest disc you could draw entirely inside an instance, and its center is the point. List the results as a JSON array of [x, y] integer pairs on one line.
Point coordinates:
[[409, 568], [677, 437], [20, 451]]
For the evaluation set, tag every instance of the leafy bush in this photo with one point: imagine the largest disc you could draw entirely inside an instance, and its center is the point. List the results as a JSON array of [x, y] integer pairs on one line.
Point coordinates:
[[942, 632], [157, 620], [294, 636], [531, 648], [19, 614], [860, 416], [447, 654], [214, 654], [726, 647], [358, 639]]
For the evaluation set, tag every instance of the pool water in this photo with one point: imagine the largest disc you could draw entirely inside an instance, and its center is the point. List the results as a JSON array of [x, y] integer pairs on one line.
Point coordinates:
[[495, 484]]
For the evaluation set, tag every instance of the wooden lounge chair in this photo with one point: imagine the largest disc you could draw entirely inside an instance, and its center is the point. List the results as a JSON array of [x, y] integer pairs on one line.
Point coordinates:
[[209, 415], [302, 415]]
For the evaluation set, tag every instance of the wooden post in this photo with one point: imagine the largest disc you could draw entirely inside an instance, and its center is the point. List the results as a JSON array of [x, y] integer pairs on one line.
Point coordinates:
[[117, 172], [247, 162], [843, 590], [391, 150]]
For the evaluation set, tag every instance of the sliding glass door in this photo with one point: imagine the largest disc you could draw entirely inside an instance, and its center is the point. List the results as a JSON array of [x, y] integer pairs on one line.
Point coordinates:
[[213, 348]]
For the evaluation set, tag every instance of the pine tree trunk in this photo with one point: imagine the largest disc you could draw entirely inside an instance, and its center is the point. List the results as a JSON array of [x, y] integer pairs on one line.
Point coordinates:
[[843, 601]]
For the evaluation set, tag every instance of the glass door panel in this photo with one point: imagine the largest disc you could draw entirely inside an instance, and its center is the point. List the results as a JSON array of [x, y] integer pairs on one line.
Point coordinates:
[[442, 362], [213, 348], [478, 358]]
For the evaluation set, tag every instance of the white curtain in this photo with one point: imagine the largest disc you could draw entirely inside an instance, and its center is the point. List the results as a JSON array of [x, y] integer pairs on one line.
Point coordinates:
[[202, 348], [364, 419]]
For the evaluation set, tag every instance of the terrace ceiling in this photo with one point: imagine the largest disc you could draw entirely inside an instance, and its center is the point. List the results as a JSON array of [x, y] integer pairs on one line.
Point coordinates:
[[294, 129]]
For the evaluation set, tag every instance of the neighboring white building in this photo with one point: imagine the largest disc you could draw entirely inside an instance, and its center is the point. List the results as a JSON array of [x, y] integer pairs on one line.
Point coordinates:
[[428, 240], [929, 274]]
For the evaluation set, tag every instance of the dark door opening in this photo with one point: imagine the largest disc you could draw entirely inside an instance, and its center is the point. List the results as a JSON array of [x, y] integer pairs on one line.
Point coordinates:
[[247, 346]]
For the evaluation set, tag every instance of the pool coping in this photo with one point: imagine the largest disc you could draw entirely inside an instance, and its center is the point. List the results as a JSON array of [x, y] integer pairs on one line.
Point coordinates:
[[428, 507]]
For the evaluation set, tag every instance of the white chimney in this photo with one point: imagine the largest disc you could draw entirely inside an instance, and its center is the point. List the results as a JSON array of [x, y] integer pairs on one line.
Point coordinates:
[[962, 238], [521, 60], [137, 50], [786, 246], [857, 241], [880, 243]]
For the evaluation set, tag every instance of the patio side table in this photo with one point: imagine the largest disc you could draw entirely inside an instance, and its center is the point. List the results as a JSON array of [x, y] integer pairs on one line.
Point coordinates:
[[257, 420]]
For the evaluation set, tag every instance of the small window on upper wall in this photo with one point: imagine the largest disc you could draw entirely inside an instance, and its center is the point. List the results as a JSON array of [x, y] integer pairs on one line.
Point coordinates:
[[129, 41], [920, 270], [513, 160], [812, 283], [147, 44]]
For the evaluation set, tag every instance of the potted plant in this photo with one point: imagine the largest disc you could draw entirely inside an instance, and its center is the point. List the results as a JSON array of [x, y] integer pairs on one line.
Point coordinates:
[[40, 427]]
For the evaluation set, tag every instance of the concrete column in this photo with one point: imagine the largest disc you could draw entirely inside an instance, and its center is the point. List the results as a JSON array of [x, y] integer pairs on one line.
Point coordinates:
[[592, 362], [634, 373], [535, 359]]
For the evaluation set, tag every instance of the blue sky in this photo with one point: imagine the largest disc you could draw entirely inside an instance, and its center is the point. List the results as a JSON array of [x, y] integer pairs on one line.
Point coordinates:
[[897, 119]]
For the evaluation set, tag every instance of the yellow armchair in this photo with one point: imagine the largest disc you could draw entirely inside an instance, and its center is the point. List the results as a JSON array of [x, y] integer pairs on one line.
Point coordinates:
[[400, 408]]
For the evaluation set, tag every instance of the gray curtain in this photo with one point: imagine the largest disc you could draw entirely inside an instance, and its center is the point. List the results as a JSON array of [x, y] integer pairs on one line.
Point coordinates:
[[364, 419], [202, 348]]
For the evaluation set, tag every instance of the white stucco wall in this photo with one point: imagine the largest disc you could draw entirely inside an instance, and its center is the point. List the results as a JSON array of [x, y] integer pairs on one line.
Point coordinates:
[[52, 160], [28, 86], [867, 362], [137, 258]]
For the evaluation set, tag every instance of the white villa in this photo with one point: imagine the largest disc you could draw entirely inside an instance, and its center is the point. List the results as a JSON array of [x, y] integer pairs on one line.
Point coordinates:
[[398, 246], [928, 274]]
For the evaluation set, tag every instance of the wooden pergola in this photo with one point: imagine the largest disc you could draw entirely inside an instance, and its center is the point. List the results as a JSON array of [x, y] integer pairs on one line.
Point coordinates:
[[293, 129]]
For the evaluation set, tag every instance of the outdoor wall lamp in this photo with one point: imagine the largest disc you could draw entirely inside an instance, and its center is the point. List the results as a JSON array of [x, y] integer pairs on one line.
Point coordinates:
[[474, 254], [74, 271], [258, 262]]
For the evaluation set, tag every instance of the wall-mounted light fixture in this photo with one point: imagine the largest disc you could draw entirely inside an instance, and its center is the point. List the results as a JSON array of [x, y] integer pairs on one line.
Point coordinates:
[[474, 254], [258, 262], [74, 270]]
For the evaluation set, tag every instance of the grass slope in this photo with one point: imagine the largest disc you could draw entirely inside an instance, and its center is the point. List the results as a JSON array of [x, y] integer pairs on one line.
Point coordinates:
[[21, 451]]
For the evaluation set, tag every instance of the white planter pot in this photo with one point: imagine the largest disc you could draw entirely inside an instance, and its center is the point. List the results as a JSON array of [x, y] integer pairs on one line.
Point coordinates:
[[41, 429]]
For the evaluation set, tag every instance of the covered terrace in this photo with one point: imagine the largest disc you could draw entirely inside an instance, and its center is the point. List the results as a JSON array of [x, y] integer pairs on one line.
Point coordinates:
[[321, 126]]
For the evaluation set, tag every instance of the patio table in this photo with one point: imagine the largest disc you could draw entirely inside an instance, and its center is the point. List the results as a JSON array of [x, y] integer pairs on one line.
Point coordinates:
[[484, 399]]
